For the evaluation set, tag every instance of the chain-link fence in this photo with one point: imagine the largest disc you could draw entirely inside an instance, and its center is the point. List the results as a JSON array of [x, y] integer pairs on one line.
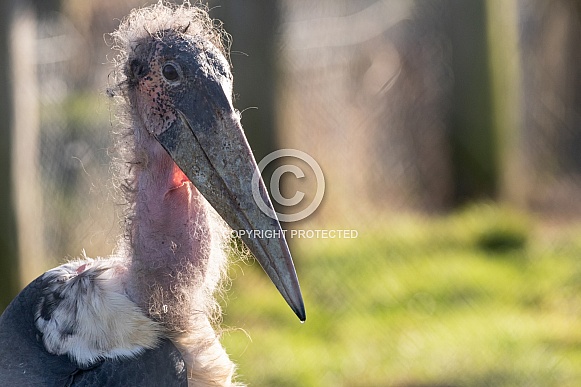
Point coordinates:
[[410, 108]]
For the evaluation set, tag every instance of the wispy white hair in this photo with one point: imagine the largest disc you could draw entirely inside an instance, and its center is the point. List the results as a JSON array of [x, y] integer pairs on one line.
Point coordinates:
[[160, 18]]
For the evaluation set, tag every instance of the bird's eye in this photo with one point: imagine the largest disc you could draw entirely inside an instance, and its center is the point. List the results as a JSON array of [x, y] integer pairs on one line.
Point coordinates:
[[170, 72]]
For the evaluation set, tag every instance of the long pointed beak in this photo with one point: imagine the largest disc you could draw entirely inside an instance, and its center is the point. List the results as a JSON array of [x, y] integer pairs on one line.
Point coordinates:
[[208, 144]]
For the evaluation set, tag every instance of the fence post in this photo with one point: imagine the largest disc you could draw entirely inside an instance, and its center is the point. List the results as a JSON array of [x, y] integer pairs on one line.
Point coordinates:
[[9, 284], [505, 80]]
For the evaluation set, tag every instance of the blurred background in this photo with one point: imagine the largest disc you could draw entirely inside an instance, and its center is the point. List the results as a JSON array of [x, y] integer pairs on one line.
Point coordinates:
[[448, 132]]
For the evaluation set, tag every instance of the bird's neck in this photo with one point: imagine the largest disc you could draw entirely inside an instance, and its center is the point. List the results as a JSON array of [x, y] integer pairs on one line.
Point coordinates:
[[176, 259], [171, 241]]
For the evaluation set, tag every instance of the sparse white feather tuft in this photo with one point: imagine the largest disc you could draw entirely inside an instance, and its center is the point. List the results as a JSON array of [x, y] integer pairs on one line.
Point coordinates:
[[85, 314]]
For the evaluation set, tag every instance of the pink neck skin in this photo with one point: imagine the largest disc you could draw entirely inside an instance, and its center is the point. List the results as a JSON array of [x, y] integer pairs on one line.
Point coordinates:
[[169, 234]]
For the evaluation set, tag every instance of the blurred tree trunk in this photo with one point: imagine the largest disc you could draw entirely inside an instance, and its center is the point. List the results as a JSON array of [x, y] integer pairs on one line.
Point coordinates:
[[550, 41], [253, 25], [506, 92], [9, 284], [472, 138], [26, 185]]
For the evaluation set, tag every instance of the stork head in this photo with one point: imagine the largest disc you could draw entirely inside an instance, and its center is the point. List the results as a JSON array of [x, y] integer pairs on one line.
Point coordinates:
[[179, 83]]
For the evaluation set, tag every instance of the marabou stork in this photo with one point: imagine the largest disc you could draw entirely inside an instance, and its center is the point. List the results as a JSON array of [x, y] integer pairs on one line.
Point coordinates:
[[144, 316]]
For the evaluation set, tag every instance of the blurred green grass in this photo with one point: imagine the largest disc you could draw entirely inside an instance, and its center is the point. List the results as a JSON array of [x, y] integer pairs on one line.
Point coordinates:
[[484, 297]]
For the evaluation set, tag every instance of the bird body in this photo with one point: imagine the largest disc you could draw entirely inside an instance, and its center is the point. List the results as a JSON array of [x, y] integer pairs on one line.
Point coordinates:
[[145, 316], [79, 353]]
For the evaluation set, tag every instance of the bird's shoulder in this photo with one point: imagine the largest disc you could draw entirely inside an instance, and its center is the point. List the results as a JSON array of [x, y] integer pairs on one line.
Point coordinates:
[[84, 312], [74, 325]]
